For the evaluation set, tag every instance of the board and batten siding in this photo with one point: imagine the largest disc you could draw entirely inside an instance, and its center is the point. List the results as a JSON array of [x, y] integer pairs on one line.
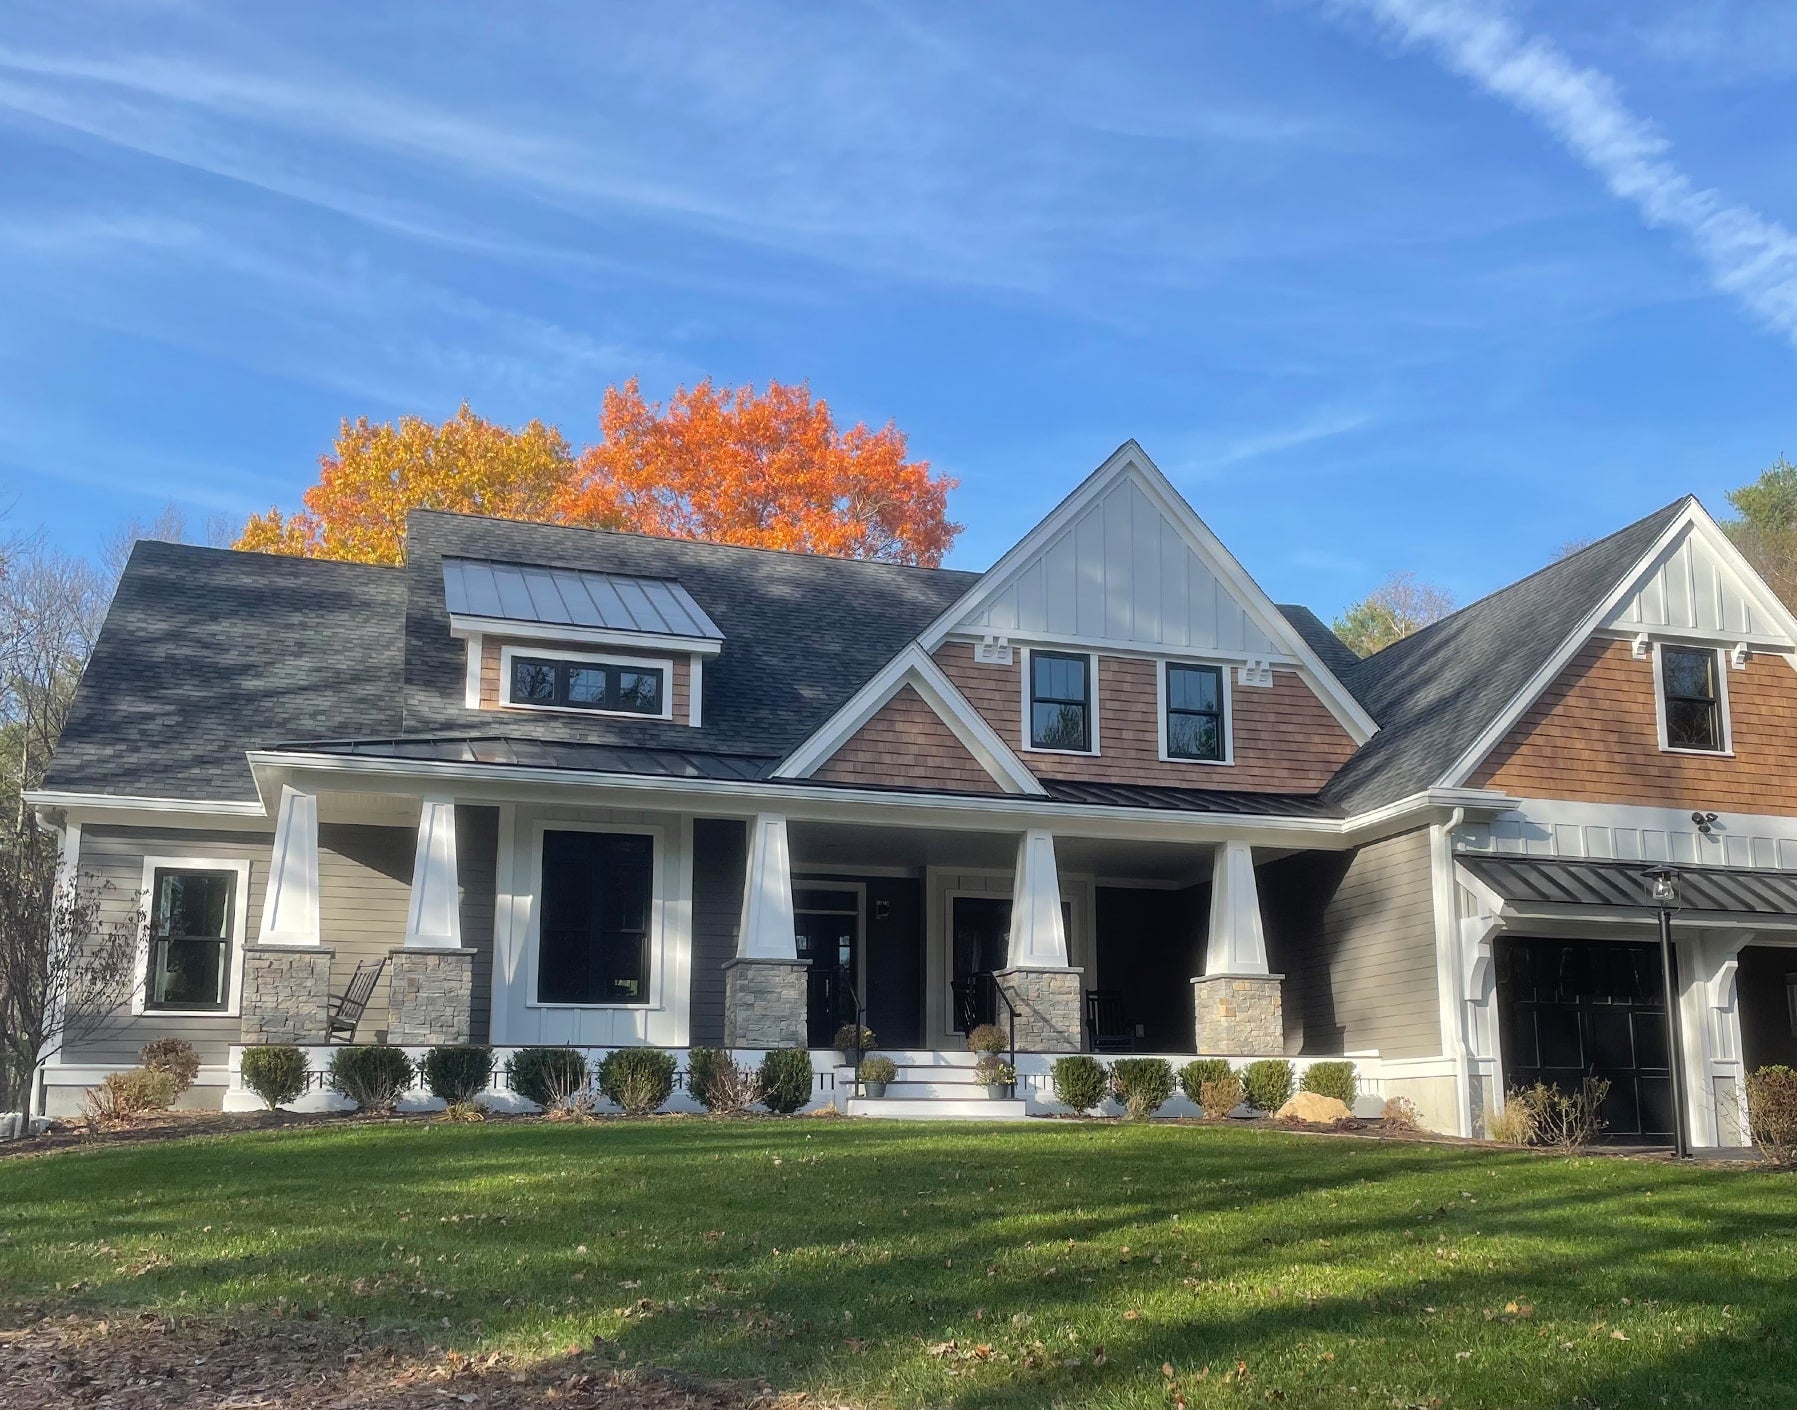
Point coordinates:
[[720, 864]]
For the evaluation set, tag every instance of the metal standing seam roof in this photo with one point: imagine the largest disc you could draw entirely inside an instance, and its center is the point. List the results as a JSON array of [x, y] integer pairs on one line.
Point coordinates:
[[573, 597], [1564, 881]]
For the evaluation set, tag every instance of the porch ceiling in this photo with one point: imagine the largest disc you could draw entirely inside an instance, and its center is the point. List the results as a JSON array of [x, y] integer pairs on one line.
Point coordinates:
[[836, 845]]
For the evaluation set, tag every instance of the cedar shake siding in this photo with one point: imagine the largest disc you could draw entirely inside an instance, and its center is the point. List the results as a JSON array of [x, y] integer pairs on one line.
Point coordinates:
[[1286, 741], [906, 745], [492, 688], [1593, 737], [720, 863]]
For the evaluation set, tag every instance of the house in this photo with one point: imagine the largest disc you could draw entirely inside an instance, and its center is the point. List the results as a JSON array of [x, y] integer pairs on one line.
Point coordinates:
[[568, 786]]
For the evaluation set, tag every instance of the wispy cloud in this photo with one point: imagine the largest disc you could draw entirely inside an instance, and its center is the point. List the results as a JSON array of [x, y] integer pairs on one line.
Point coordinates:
[[1258, 445], [1749, 256]]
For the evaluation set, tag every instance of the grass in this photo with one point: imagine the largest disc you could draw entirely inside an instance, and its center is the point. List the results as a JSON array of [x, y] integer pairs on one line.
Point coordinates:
[[1044, 1264]]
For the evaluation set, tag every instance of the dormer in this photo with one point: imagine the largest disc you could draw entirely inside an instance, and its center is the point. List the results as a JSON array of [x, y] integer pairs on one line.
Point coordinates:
[[579, 642]]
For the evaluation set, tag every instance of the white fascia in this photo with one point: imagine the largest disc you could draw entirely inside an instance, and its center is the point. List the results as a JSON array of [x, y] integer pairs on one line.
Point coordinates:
[[1129, 459], [1693, 517], [913, 667], [461, 626]]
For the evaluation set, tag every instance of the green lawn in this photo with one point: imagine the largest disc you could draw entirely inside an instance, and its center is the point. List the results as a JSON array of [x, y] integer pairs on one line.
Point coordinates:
[[1068, 1263]]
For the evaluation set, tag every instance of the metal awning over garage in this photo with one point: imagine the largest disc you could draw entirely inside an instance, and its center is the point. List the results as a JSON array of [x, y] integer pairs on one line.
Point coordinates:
[[1530, 884]]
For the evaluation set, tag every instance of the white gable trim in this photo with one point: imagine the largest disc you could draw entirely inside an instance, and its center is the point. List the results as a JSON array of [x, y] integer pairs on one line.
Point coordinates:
[[914, 668], [1692, 518], [1131, 462]]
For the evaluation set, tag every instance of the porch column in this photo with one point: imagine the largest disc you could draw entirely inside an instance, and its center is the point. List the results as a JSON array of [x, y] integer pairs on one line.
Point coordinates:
[[287, 972], [430, 978], [1236, 1005], [1041, 985], [1710, 1028], [765, 991]]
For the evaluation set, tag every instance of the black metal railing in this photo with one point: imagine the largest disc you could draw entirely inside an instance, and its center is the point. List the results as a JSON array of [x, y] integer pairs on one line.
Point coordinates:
[[977, 997], [855, 1053]]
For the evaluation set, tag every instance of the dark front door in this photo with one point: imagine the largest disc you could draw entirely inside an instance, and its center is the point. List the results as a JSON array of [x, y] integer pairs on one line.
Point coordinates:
[[1572, 1009], [982, 935], [827, 924]]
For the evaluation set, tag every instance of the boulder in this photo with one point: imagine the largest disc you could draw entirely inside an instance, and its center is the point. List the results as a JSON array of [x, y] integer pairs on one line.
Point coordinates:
[[1314, 1107]]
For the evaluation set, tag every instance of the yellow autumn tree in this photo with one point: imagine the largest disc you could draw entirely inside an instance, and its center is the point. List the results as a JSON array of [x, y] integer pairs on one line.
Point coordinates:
[[377, 472]]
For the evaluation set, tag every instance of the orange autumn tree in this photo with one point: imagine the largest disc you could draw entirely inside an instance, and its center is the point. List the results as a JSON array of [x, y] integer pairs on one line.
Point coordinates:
[[377, 472]]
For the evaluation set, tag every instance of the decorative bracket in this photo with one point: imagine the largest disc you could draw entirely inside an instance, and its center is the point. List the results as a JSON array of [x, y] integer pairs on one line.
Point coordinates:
[[1641, 646], [993, 650], [1256, 671], [1740, 656]]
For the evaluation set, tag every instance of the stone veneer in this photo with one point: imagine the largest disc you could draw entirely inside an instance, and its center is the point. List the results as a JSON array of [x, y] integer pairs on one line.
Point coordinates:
[[1048, 1008], [765, 1003], [1239, 1015], [430, 996], [286, 993]]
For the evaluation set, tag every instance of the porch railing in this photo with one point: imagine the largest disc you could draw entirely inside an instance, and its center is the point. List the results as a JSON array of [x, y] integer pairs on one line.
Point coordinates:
[[977, 997]]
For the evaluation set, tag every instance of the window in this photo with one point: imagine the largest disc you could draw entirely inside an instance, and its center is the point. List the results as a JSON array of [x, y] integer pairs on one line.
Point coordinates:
[[1060, 701], [191, 919], [586, 685], [1692, 701], [593, 940], [1195, 712]]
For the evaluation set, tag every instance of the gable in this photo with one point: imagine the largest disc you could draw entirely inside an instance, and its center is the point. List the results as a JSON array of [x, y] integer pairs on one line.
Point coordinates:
[[1694, 585], [906, 744]]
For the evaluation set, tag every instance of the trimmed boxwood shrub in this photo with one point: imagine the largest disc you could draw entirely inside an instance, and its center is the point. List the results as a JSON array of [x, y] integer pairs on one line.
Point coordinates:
[[1142, 1085], [1268, 1083], [547, 1076], [276, 1072], [987, 1038], [1196, 1073], [638, 1080], [878, 1068], [1332, 1079], [175, 1056], [1080, 1082], [786, 1080], [457, 1072], [703, 1067], [373, 1077]]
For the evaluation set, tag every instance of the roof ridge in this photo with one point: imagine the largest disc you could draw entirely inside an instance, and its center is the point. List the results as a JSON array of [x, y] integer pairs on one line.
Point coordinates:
[[160, 545]]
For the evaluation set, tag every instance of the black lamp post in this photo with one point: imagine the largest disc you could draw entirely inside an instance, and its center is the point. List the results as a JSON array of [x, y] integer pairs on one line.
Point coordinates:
[[1662, 884]]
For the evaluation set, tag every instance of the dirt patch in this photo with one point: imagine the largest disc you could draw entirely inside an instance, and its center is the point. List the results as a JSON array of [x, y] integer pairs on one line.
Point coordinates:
[[75, 1134], [150, 1362]]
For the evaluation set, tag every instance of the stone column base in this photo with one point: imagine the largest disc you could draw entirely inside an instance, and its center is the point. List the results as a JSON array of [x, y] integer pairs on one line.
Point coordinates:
[[430, 996], [765, 1003], [1238, 1015], [1048, 1008], [286, 994]]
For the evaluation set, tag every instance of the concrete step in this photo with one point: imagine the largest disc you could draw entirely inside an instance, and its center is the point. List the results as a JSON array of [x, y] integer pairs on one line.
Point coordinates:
[[909, 1088], [891, 1108]]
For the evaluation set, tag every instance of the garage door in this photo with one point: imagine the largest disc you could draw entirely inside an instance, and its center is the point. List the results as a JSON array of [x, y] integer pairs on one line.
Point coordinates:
[[1571, 1009]]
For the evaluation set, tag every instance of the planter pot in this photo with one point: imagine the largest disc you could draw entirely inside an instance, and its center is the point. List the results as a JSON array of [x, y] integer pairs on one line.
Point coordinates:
[[998, 1091], [876, 1090]]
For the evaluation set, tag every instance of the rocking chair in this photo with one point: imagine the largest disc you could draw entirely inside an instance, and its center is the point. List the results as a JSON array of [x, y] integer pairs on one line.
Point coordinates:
[[1108, 1029], [346, 1008]]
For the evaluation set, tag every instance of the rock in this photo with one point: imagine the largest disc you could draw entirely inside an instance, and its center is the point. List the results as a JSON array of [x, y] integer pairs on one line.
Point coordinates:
[[1313, 1106]]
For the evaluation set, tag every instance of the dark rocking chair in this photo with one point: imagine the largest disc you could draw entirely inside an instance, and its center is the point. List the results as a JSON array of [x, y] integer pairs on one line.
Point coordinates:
[[1108, 1029], [346, 1008]]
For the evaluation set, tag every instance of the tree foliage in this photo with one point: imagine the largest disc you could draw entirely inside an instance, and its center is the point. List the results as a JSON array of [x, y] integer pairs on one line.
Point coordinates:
[[1392, 611], [1766, 531]]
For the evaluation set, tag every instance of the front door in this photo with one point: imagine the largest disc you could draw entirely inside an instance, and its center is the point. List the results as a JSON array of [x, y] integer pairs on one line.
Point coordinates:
[[1573, 1009], [827, 927], [982, 935]]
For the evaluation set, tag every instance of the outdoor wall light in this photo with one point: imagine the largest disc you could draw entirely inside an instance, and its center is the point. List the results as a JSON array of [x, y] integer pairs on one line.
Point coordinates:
[[1704, 821]]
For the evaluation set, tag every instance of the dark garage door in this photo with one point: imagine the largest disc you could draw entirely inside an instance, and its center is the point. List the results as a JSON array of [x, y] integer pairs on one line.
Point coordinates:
[[1577, 1008]]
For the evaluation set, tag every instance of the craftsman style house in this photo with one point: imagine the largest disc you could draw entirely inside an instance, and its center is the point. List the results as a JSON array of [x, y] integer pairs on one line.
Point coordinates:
[[546, 785]]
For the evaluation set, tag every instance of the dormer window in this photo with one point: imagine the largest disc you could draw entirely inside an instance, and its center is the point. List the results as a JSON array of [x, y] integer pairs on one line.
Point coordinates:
[[1060, 702], [1692, 707], [615, 687]]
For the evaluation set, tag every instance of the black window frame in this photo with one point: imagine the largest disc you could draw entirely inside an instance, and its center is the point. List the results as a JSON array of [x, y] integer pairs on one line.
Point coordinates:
[[1713, 703], [562, 669], [1083, 701], [600, 987], [1220, 714], [157, 941]]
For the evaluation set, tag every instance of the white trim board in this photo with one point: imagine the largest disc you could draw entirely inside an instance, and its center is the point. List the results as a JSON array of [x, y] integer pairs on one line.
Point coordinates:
[[239, 867]]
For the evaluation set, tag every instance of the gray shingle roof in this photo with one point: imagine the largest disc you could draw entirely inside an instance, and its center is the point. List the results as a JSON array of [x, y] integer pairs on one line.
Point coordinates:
[[1331, 650], [1435, 692], [206, 653]]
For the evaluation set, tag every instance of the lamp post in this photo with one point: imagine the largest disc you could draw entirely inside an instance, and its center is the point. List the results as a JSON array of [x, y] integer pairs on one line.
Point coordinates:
[[1662, 884]]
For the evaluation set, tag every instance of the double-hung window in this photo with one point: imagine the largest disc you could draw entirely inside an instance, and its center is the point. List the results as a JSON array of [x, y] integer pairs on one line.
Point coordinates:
[[1060, 701], [1692, 699], [597, 896], [587, 685], [190, 941], [1195, 724]]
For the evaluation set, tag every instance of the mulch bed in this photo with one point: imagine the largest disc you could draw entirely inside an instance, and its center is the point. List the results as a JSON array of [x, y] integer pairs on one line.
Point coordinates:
[[151, 1362]]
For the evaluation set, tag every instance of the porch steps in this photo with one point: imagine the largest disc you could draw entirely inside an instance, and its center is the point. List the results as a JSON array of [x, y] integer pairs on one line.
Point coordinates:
[[981, 1108]]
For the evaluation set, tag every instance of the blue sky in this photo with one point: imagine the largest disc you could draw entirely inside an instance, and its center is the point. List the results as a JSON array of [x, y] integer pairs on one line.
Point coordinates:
[[1428, 284]]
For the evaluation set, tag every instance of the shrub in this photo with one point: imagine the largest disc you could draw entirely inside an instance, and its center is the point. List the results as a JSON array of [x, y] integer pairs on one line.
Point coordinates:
[[1267, 1083], [878, 1069], [1080, 1082], [1567, 1121], [987, 1038], [638, 1079], [1142, 1085], [845, 1039], [1221, 1095], [786, 1080], [550, 1077], [993, 1071], [373, 1077], [457, 1073], [703, 1067], [731, 1089], [1400, 1114], [128, 1096], [276, 1072], [1332, 1079], [463, 1112], [1772, 1112], [1513, 1124], [174, 1056], [1196, 1073]]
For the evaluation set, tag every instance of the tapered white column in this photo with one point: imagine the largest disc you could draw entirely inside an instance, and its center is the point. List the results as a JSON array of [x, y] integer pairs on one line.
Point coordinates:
[[767, 926], [1237, 1003], [765, 982], [1038, 932], [290, 905], [434, 919], [1237, 943]]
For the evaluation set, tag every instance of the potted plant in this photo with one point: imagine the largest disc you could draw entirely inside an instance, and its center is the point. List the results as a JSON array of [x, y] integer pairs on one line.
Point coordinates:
[[986, 1038], [875, 1073], [851, 1043], [995, 1074]]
